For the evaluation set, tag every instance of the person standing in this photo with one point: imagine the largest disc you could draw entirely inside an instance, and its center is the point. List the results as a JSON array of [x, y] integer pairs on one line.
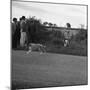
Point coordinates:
[[23, 31], [14, 27], [18, 33], [66, 38]]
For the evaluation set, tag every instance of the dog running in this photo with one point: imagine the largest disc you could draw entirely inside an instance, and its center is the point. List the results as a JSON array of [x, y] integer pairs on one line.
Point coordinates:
[[36, 47]]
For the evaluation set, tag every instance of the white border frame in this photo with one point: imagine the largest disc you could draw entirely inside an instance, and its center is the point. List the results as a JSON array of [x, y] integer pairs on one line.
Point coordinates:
[[5, 45]]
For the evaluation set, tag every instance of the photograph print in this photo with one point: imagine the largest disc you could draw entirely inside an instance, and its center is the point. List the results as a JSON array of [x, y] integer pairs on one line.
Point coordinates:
[[48, 44]]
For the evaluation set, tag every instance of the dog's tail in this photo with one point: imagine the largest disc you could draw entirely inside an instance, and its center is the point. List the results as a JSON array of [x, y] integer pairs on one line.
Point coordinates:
[[43, 46]]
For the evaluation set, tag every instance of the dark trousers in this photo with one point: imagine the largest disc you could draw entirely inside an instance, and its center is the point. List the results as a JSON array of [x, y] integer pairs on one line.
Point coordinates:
[[15, 39]]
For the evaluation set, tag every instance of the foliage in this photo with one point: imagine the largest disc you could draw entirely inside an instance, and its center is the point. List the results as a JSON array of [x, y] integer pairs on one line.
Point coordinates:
[[38, 33], [82, 35], [45, 23], [57, 38], [68, 25]]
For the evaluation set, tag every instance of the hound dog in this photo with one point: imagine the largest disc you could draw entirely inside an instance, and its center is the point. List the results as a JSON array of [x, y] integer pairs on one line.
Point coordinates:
[[36, 47]]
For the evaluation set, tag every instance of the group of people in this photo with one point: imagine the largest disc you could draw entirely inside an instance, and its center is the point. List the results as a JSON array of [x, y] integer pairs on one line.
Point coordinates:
[[19, 32]]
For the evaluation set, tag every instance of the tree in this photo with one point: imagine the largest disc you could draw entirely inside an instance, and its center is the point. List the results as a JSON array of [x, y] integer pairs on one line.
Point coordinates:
[[57, 38], [50, 24], [36, 32], [82, 26], [54, 25], [45, 23], [68, 25], [82, 35]]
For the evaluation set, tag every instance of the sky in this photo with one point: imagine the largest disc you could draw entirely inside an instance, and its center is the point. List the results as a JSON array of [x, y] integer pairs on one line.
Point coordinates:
[[59, 14]]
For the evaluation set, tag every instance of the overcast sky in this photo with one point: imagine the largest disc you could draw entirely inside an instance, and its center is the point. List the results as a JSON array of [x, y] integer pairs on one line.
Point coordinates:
[[55, 13]]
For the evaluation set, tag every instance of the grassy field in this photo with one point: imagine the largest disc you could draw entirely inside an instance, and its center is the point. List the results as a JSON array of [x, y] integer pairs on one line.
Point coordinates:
[[47, 70]]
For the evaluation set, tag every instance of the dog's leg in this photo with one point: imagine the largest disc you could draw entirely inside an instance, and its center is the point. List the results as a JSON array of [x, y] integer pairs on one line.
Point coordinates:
[[43, 49], [29, 50], [40, 50]]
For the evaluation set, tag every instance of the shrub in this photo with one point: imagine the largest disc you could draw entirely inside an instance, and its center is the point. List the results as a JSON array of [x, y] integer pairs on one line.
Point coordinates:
[[82, 35], [36, 32], [57, 41], [56, 38]]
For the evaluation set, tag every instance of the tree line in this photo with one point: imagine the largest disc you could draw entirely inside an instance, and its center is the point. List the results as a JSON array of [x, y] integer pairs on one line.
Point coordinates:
[[38, 33]]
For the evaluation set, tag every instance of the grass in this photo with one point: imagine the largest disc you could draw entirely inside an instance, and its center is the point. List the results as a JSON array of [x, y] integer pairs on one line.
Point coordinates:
[[75, 48], [47, 70], [67, 50]]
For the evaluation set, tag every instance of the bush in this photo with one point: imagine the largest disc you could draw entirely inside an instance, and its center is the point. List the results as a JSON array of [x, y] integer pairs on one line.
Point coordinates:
[[82, 35], [57, 41], [56, 38], [36, 32]]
